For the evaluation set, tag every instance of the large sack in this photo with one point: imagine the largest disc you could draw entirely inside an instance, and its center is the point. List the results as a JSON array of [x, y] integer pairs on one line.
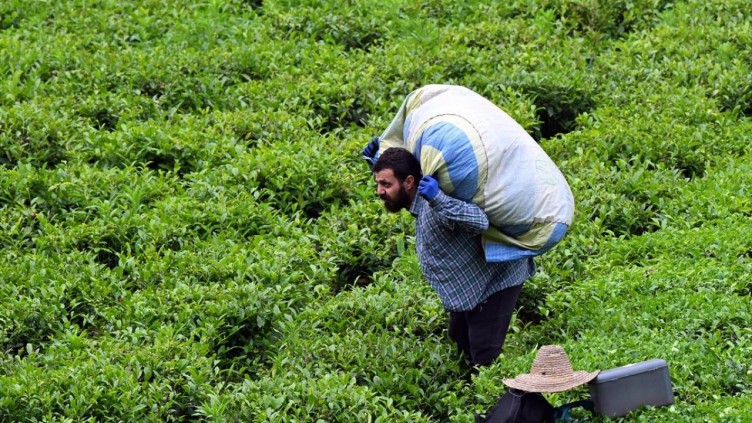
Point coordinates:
[[480, 154]]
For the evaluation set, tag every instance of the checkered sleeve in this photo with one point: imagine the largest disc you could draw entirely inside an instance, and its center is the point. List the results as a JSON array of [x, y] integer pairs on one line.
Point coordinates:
[[453, 213]]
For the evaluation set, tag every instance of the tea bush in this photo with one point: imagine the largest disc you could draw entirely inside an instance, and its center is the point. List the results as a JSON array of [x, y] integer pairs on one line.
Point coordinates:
[[187, 231]]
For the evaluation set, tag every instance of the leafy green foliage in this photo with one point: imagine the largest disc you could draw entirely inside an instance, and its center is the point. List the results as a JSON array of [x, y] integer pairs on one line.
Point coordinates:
[[187, 231]]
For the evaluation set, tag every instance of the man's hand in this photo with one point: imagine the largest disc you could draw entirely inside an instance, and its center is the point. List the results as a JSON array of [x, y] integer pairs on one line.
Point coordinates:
[[428, 187], [370, 150]]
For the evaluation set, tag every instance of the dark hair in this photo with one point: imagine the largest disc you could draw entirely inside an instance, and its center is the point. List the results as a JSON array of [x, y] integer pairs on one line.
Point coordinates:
[[401, 161]]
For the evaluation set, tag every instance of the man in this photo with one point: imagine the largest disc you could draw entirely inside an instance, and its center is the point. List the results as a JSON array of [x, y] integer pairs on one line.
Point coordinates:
[[479, 296]]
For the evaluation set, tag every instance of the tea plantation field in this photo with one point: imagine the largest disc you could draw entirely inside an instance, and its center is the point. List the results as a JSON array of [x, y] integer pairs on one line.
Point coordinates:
[[188, 232]]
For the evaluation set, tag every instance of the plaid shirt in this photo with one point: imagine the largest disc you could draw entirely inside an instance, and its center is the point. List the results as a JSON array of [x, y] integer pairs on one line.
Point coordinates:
[[450, 251]]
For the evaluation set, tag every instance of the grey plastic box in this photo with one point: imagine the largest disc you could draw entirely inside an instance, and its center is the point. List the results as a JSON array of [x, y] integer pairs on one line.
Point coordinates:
[[618, 391]]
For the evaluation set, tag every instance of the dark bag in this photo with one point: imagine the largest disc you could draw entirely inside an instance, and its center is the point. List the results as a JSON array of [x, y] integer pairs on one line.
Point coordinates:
[[517, 406]]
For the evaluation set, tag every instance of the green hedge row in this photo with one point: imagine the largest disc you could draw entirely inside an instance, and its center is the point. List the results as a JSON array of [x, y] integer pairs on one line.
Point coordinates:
[[187, 231]]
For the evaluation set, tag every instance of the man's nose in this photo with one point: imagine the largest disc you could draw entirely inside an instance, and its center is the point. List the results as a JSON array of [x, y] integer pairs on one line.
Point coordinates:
[[380, 190]]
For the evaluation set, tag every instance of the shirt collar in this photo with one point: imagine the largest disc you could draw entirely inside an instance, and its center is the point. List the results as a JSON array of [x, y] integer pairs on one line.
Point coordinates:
[[414, 206]]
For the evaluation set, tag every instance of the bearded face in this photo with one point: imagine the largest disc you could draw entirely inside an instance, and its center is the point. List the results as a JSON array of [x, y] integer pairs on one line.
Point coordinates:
[[392, 191], [398, 201]]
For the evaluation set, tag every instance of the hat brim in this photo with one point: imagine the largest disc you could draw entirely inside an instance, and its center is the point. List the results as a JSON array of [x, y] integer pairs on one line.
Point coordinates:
[[549, 384]]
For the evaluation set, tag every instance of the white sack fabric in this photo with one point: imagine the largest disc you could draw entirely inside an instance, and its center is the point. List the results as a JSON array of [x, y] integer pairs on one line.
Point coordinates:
[[479, 154]]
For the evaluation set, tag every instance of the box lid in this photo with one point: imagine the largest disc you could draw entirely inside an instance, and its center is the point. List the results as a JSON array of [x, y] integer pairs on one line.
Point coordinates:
[[629, 370]]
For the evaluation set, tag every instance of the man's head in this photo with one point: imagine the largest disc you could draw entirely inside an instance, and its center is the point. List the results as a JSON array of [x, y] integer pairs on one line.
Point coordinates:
[[397, 173]]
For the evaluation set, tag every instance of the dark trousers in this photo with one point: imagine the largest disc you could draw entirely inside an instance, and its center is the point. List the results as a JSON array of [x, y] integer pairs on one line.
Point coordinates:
[[480, 332]]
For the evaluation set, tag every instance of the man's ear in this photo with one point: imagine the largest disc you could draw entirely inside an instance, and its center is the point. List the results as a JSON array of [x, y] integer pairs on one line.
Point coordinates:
[[410, 182]]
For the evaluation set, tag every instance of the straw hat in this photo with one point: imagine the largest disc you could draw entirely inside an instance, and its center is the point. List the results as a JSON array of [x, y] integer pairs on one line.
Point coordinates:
[[551, 372]]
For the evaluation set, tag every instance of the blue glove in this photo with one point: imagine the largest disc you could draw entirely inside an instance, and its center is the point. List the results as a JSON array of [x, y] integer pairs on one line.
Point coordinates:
[[371, 149], [428, 187]]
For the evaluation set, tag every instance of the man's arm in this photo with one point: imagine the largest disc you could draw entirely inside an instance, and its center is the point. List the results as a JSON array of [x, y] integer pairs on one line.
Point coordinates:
[[457, 214]]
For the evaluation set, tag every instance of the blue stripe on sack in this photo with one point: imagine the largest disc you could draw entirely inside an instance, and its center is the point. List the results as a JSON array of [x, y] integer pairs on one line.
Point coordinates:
[[498, 252], [406, 129], [459, 156]]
